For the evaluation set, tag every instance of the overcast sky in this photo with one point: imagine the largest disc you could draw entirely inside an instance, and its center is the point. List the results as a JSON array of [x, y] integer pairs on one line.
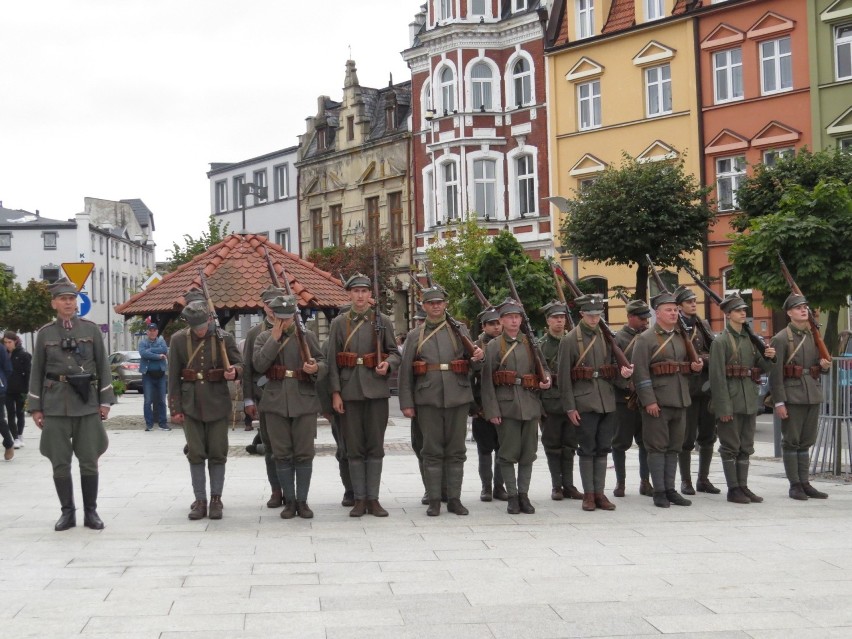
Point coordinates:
[[121, 99]]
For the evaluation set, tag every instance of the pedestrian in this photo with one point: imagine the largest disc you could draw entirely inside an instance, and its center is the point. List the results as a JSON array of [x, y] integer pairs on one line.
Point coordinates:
[[510, 401], [8, 437], [200, 400], [434, 387], [796, 385], [69, 397], [735, 370], [290, 402], [153, 352], [18, 384]]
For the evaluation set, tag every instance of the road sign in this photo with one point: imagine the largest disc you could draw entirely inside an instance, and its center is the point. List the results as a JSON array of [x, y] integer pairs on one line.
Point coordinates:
[[78, 272], [152, 280], [84, 304]]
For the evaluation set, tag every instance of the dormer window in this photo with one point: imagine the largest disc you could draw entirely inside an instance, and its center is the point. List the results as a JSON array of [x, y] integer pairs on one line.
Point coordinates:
[[519, 5], [322, 140], [390, 118], [446, 9], [654, 9]]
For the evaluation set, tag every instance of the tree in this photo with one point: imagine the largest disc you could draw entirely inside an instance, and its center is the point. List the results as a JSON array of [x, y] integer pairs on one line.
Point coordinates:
[[456, 254], [217, 230], [812, 229], [23, 310], [653, 208]]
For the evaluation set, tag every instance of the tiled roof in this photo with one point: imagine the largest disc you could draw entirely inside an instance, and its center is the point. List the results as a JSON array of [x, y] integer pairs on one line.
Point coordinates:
[[143, 213], [682, 6], [622, 15], [237, 273], [562, 36]]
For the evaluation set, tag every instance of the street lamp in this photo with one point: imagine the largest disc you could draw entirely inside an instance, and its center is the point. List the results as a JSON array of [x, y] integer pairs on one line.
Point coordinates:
[[561, 203], [250, 188]]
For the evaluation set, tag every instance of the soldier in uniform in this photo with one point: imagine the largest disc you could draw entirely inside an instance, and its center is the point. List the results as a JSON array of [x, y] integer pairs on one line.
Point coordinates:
[[484, 432], [510, 400], [559, 436], [735, 367], [434, 387], [252, 393], [661, 373], [359, 390], [70, 395], [700, 426], [290, 402], [586, 374], [200, 400], [628, 421], [795, 382]]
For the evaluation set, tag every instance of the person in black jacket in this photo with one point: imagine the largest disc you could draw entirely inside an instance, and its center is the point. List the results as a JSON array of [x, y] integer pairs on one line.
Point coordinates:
[[5, 374], [18, 384]]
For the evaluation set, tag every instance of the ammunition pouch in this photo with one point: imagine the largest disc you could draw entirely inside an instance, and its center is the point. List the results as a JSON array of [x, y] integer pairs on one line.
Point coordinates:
[[419, 368], [816, 371], [276, 372], [582, 372], [737, 371], [369, 360], [215, 375], [530, 382], [670, 368], [190, 375], [792, 371], [504, 378], [346, 359], [633, 401], [212, 375], [460, 366]]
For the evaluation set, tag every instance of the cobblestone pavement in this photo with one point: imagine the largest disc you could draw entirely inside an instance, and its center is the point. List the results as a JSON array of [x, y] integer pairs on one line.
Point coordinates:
[[777, 569]]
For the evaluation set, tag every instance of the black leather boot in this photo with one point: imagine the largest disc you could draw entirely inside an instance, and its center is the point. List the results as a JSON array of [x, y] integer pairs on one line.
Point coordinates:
[[65, 492], [89, 486]]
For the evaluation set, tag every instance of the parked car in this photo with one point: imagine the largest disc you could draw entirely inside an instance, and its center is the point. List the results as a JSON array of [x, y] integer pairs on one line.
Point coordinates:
[[764, 405], [125, 366]]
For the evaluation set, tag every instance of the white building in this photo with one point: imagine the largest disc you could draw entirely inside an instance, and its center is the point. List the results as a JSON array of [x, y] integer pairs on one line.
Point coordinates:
[[116, 236]]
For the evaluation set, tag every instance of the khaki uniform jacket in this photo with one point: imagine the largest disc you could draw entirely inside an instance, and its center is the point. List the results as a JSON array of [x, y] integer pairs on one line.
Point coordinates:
[[551, 399], [509, 402], [585, 395], [359, 383], [664, 390], [288, 397], [250, 376], [202, 400], [805, 390], [626, 340], [442, 389], [702, 347], [476, 374], [734, 395], [53, 397]]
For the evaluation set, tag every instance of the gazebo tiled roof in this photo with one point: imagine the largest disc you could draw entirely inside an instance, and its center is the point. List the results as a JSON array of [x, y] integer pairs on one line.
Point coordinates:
[[237, 273]]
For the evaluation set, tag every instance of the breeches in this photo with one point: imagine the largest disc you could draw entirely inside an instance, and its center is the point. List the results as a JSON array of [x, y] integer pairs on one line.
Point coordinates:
[[664, 434], [292, 438], [363, 425], [799, 430], [444, 431], [558, 435], [85, 437], [518, 441], [736, 437], [206, 440]]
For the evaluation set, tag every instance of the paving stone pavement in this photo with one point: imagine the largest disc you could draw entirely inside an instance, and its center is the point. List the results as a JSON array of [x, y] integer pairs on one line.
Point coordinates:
[[777, 569]]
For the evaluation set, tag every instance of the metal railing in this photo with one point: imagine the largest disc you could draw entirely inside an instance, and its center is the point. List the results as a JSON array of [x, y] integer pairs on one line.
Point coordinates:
[[832, 452]]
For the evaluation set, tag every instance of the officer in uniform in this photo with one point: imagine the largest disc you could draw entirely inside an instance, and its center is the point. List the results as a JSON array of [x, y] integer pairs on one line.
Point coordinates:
[[795, 381], [200, 400], [700, 426], [290, 402], [735, 368], [558, 434], [434, 387], [359, 390], [252, 392], [484, 432], [70, 395], [510, 389], [661, 373], [628, 421]]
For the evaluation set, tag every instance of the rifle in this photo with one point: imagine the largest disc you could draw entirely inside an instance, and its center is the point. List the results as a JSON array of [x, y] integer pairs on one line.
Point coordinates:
[[683, 329], [755, 339], [214, 317], [429, 282], [455, 326], [379, 327], [608, 333], [794, 288], [526, 329], [479, 294], [569, 321], [304, 349], [620, 294]]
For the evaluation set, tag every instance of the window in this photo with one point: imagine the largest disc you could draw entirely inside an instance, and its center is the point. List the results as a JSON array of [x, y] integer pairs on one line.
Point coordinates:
[[101, 245], [522, 78], [730, 172], [658, 90], [843, 51], [654, 9], [585, 18], [94, 244], [585, 184], [451, 190], [526, 185], [395, 217], [744, 293], [260, 183], [336, 211], [373, 218], [771, 156], [477, 7], [49, 240], [669, 280], [239, 196], [390, 118], [282, 181], [316, 228], [446, 9], [50, 273], [448, 93], [101, 285], [519, 5], [282, 239], [484, 188], [776, 66], [481, 79], [221, 196], [845, 145], [589, 104], [5, 241], [728, 75], [429, 197], [350, 127]]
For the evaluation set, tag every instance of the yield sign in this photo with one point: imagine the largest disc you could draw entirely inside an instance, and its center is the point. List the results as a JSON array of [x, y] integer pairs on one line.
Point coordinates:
[[78, 272]]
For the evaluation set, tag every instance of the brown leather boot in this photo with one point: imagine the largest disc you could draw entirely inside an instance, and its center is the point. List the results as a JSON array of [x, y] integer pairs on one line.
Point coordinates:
[[454, 505], [487, 493], [434, 508], [359, 509], [198, 509], [619, 489], [645, 488], [603, 503], [752, 497], [276, 499], [375, 508], [703, 485], [348, 499], [572, 493], [304, 510], [216, 507], [797, 492], [589, 502], [289, 510], [556, 494], [737, 496], [686, 487], [812, 492], [500, 493], [513, 507]]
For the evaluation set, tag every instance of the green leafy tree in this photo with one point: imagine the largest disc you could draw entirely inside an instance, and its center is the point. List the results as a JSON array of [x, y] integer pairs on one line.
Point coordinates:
[[453, 257], [653, 208], [812, 229], [24, 309], [217, 230]]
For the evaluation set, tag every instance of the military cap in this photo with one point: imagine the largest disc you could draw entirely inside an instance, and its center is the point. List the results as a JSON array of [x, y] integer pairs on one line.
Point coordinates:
[[359, 279], [434, 293], [195, 314], [794, 300], [732, 303], [194, 295], [271, 293], [62, 286], [590, 304], [682, 294], [662, 298], [488, 315], [283, 306], [638, 308], [510, 305], [419, 313], [554, 307]]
